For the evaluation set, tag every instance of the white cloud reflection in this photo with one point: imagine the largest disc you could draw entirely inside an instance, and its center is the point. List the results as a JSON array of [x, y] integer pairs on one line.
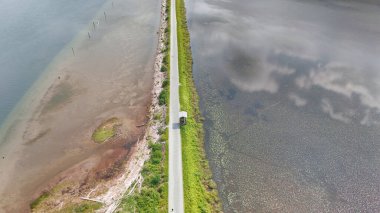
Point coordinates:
[[341, 59], [329, 109], [332, 78], [298, 101]]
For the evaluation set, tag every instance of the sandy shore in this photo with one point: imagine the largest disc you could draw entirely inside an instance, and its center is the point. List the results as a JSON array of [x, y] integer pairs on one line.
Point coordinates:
[[120, 172], [49, 142]]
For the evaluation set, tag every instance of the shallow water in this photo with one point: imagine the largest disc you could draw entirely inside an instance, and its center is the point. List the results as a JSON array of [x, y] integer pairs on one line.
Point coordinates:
[[32, 33], [291, 95], [91, 79]]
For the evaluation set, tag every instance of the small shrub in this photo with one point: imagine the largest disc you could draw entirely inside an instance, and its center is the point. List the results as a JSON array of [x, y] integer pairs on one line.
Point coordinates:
[[165, 60], [161, 131], [155, 180], [162, 97], [165, 83], [164, 68], [154, 146], [156, 161], [157, 116]]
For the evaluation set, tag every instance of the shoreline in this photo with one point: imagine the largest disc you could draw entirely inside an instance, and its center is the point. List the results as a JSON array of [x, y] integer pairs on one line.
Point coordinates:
[[152, 134], [152, 193], [40, 155], [130, 177]]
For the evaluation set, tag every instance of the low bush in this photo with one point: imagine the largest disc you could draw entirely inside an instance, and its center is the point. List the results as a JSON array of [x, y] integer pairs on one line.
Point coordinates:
[[163, 97]]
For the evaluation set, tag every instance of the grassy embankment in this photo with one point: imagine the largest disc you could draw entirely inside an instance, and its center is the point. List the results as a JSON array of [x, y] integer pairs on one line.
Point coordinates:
[[153, 196], [199, 189]]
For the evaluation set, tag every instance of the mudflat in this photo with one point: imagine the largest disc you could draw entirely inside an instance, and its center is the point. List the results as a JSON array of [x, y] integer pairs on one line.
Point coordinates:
[[105, 72]]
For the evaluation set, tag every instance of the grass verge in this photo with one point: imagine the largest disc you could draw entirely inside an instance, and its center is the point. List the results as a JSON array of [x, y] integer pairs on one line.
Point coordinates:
[[199, 189]]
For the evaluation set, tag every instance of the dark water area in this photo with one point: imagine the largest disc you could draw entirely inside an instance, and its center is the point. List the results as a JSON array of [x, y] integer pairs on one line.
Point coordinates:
[[32, 32], [291, 95]]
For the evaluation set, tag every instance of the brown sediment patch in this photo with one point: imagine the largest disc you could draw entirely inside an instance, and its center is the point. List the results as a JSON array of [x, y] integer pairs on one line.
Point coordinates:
[[39, 136], [60, 95], [85, 178]]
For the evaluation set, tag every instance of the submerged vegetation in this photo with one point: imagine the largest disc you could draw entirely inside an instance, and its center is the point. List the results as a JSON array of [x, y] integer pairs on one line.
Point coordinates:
[[60, 95], [83, 207], [199, 189], [106, 130], [39, 200], [153, 195]]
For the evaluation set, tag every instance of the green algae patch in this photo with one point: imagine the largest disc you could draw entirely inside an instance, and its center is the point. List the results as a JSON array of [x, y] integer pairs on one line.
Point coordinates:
[[64, 198], [83, 207], [106, 130], [39, 200]]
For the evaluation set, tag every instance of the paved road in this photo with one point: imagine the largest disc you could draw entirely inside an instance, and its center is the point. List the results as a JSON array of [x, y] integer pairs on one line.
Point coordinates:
[[175, 151]]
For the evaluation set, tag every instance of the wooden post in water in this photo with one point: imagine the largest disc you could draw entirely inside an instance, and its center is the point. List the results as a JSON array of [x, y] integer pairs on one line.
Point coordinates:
[[89, 35], [73, 51], [105, 16], [93, 23]]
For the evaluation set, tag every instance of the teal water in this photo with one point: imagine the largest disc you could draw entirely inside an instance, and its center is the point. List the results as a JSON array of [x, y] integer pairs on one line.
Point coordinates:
[[32, 32]]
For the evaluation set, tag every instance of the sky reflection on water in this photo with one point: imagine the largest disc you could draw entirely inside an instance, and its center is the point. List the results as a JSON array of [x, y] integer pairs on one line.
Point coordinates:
[[290, 92]]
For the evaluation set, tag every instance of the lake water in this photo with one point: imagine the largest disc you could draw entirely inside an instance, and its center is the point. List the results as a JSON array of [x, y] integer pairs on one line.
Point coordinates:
[[32, 33], [291, 95], [67, 66]]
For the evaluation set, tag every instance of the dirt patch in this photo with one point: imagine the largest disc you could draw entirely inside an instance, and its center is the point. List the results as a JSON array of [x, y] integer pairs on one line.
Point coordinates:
[[86, 178]]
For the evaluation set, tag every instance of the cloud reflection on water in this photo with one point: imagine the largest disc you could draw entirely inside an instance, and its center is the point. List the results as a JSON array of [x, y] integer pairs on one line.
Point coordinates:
[[291, 95], [256, 49]]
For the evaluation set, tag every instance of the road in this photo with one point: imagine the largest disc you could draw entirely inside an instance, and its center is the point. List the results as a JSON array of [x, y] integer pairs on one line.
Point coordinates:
[[175, 150]]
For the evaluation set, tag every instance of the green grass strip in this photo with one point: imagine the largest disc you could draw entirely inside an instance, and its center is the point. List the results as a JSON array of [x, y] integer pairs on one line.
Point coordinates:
[[199, 189]]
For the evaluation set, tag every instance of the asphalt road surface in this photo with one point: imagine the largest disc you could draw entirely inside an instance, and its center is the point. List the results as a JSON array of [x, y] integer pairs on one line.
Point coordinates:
[[175, 151]]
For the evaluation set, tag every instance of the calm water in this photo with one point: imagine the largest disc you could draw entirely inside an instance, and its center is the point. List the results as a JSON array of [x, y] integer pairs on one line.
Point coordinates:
[[32, 33], [291, 95]]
